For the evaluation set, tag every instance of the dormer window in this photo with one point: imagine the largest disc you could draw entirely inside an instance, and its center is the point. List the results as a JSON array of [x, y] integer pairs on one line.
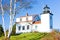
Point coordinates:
[[27, 18], [20, 19]]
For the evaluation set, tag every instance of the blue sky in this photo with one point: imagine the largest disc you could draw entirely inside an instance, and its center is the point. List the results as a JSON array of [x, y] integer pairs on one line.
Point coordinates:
[[38, 9]]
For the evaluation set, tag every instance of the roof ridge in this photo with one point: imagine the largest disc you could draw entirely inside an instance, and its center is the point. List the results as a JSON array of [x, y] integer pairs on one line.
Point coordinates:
[[30, 15]]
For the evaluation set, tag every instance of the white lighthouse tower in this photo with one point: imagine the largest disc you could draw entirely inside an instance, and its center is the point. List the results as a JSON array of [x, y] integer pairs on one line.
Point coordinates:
[[46, 20]]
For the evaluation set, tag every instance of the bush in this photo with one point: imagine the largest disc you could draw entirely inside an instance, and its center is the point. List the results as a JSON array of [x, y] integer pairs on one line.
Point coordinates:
[[1, 30]]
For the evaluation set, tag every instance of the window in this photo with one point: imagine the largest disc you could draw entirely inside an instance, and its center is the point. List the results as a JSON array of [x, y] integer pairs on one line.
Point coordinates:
[[35, 27], [26, 18], [19, 27], [23, 27], [27, 26], [20, 19]]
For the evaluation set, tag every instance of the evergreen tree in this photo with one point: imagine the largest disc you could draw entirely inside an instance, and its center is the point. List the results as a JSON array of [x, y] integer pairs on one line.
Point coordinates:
[[14, 29]]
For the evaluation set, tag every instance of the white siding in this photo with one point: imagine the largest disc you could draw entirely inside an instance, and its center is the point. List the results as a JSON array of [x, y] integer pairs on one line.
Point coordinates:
[[38, 28], [17, 19], [23, 18], [30, 18], [45, 22]]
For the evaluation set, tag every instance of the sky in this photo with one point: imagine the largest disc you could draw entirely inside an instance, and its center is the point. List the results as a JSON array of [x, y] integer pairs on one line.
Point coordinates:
[[37, 8]]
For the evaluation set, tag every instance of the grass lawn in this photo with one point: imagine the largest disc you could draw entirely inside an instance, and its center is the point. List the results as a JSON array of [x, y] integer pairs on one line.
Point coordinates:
[[1, 38], [27, 36], [35, 36]]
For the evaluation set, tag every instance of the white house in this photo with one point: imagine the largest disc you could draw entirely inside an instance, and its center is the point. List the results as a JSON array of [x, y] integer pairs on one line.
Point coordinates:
[[39, 23]]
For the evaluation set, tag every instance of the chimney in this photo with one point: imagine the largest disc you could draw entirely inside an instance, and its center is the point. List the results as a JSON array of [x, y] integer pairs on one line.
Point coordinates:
[[26, 14]]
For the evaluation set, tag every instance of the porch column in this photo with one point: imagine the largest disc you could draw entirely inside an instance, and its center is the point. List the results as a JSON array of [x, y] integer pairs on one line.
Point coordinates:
[[21, 28], [25, 27]]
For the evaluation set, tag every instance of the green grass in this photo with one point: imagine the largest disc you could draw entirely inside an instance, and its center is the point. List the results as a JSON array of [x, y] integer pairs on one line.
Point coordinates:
[[27, 36], [1, 38], [35, 36]]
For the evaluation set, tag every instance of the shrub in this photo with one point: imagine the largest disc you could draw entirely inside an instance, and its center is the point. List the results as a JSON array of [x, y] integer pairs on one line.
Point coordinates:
[[1, 30]]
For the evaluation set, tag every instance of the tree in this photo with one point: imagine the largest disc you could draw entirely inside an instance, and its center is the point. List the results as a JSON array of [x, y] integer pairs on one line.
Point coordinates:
[[13, 30], [1, 30], [13, 11], [3, 17], [23, 4]]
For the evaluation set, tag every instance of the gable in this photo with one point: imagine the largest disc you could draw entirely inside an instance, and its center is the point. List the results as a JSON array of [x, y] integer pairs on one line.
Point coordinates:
[[36, 18]]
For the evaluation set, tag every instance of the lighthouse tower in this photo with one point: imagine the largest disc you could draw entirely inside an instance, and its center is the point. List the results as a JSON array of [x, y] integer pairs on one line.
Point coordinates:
[[46, 20]]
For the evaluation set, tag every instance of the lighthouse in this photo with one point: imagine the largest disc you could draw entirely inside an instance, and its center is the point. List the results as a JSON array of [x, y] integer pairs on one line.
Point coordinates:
[[46, 20]]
